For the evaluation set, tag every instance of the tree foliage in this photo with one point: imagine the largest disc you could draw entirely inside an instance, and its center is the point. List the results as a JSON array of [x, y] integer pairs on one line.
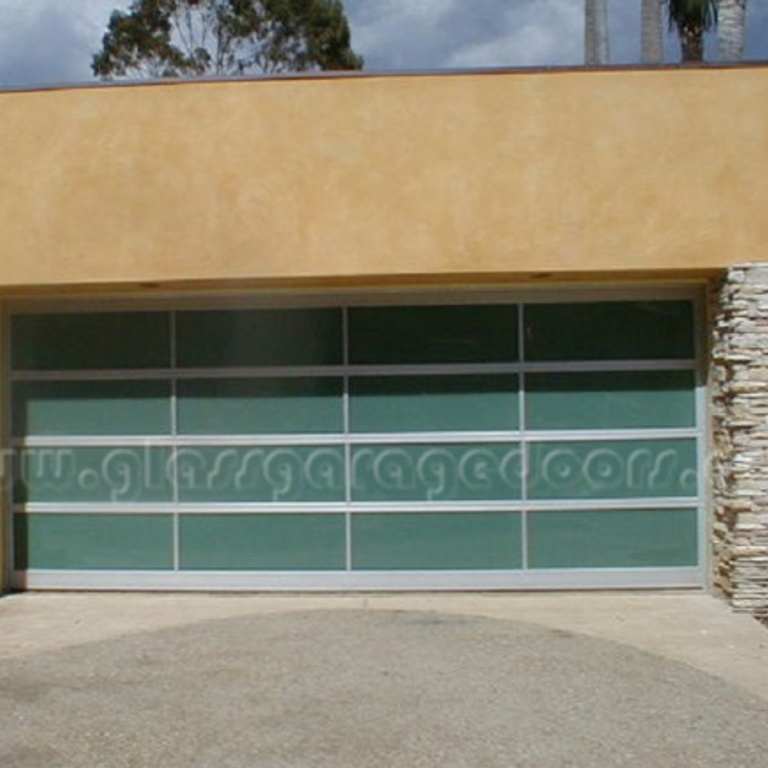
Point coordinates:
[[691, 19], [192, 38]]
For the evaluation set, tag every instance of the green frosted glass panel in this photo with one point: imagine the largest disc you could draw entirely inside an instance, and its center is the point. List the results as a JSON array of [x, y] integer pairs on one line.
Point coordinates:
[[259, 337], [612, 469], [636, 538], [439, 334], [82, 542], [91, 408], [433, 403], [87, 341], [260, 406], [611, 330], [274, 542], [610, 400], [93, 475], [436, 472], [436, 541], [265, 474]]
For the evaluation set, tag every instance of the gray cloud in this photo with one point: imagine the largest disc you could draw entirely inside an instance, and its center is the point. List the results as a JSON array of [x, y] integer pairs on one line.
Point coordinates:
[[50, 41], [525, 33], [396, 34]]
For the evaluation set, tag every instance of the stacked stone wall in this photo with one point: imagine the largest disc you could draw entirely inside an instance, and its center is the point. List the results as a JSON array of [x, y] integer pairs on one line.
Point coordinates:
[[739, 386]]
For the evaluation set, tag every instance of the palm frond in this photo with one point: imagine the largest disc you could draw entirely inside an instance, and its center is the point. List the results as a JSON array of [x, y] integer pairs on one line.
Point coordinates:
[[701, 13]]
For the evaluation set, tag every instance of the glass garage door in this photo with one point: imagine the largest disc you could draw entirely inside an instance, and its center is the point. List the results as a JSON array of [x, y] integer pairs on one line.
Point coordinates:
[[444, 446]]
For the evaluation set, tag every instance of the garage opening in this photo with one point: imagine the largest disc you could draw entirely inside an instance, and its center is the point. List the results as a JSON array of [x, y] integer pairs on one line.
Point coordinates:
[[406, 444]]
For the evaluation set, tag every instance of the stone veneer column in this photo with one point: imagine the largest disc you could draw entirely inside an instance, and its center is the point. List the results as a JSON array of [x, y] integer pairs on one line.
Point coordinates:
[[739, 385]]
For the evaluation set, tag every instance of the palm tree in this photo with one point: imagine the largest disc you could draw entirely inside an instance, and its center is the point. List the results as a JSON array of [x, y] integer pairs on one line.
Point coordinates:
[[731, 27], [596, 32], [691, 19], [652, 42]]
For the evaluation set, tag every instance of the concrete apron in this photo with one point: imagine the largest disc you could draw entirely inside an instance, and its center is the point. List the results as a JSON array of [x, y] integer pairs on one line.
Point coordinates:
[[693, 628]]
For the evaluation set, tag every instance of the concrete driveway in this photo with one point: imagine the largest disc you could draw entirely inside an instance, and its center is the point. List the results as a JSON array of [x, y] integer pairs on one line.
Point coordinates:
[[544, 681]]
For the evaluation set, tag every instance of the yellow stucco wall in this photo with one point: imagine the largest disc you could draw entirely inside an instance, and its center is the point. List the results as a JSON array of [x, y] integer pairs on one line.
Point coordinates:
[[343, 180]]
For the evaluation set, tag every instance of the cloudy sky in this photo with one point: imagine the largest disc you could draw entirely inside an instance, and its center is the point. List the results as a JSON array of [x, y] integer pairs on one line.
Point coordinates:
[[44, 42]]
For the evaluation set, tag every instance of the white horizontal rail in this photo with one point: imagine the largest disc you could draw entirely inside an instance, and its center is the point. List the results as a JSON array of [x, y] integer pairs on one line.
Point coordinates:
[[415, 506], [322, 581], [289, 440], [339, 371]]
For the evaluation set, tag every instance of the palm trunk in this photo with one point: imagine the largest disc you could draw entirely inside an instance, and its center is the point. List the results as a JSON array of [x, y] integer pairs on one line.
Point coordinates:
[[692, 42], [652, 43], [732, 18], [596, 32]]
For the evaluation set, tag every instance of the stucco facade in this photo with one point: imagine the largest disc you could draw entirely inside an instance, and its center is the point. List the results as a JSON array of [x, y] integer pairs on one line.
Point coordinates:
[[485, 177], [530, 180]]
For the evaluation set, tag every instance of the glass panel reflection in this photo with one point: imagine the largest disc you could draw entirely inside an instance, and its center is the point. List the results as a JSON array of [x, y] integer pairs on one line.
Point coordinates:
[[451, 541], [611, 400], [634, 538], [433, 403], [438, 472], [263, 542], [79, 541]]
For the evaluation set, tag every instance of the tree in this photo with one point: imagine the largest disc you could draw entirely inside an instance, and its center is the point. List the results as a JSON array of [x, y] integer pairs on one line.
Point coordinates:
[[692, 19], [192, 38], [596, 49], [652, 35], [731, 28]]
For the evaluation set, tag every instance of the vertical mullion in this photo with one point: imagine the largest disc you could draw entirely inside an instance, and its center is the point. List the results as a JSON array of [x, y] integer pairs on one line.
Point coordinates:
[[703, 438], [174, 446], [347, 446], [523, 435], [9, 468]]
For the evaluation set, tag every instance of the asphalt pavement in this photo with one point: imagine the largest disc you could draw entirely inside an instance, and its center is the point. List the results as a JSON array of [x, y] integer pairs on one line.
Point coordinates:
[[369, 689]]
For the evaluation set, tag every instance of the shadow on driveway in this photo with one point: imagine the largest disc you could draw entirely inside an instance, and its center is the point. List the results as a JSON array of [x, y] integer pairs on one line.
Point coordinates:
[[362, 689]]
